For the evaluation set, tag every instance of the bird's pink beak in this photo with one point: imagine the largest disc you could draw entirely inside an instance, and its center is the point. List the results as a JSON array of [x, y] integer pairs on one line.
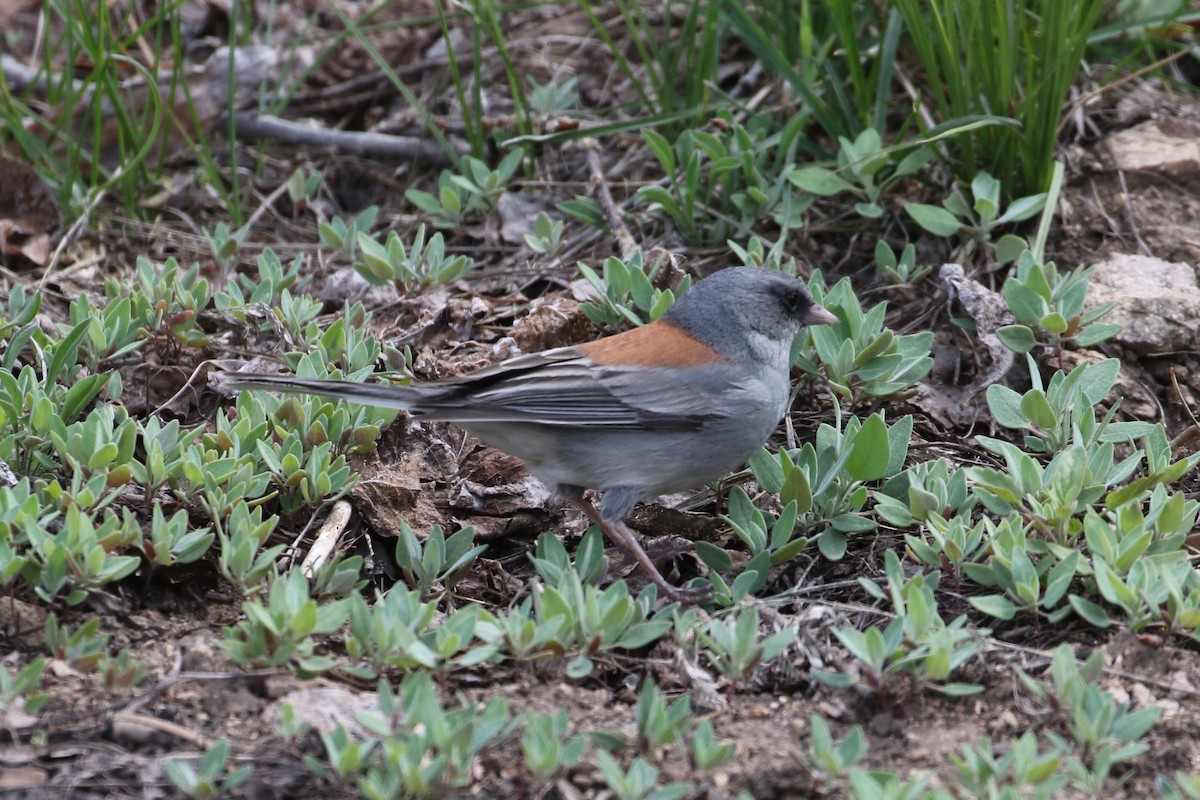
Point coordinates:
[[818, 315]]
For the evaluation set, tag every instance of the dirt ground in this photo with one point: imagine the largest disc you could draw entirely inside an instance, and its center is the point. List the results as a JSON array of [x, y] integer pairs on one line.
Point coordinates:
[[99, 744]]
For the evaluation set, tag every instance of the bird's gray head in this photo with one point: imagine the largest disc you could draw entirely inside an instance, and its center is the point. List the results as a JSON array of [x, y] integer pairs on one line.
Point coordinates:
[[731, 306]]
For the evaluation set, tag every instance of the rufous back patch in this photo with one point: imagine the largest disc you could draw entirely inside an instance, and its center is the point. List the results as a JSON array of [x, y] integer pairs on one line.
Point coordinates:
[[659, 344]]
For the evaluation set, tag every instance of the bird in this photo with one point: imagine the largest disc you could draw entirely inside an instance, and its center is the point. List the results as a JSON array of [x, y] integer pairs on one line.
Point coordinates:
[[667, 406]]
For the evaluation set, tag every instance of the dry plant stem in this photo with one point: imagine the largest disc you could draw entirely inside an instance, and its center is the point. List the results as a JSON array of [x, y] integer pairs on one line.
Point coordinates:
[[327, 538], [1116, 84], [611, 215], [252, 126], [1188, 437], [1131, 217], [138, 727], [626, 540]]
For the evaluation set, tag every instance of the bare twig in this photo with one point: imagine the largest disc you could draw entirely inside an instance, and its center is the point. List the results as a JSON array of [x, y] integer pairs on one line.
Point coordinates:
[[252, 126], [611, 215]]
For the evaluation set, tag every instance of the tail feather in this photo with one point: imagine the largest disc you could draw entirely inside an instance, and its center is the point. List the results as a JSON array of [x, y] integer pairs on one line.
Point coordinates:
[[368, 394]]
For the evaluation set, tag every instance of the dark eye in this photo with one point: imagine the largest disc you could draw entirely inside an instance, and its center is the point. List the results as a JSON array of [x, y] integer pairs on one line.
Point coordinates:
[[793, 299]]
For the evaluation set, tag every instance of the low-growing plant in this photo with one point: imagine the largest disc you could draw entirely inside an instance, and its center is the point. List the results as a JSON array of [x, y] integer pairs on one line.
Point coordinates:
[[591, 621], [437, 564], [241, 536], [224, 245], [917, 642], [83, 648], [346, 755], [900, 269], [164, 448], [338, 577], [344, 236], [554, 563], [21, 692], [121, 671], [166, 302], [727, 180], [858, 356], [547, 236], [173, 541], [829, 761], [485, 186], [545, 746], [76, 555], [1022, 771], [1180, 786], [1048, 306], [446, 209], [639, 782], [658, 723], [211, 777], [425, 749], [279, 632], [30, 407], [411, 269], [526, 637], [923, 491], [736, 648], [883, 785], [626, 295], [866, 170], [770, 540], [979, 218], [1062, 412], [111, 332], [387, 634], [1103, 733], [301, 186], [267, 288], [102, 443], [827, 480], [398, 633], [705, 752], [553, 98]]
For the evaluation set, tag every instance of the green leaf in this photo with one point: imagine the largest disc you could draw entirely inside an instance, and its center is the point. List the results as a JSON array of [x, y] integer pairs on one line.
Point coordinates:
[[835, 680], [832, 544], [1022, 209], [1009, 248], [1095, 333], [818, 181], [767, 469], [995, 605], [796, 488], [869, 454], [1018, 338], [958, 689], [934, 219], [1098, 379], [716, 558], [1054, 323], [1024, 303], [1005, 405], [1090, 612], [1036, 408]]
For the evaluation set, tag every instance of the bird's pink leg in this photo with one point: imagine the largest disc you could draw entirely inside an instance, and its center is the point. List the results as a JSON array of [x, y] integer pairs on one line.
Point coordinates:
[[620, 535]]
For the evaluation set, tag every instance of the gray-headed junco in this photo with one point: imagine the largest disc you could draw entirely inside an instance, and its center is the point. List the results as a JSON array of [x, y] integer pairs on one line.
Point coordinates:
[[658, 409]]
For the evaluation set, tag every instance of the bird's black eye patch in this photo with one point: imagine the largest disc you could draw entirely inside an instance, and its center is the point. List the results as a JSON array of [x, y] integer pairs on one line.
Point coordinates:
[[794, 299]]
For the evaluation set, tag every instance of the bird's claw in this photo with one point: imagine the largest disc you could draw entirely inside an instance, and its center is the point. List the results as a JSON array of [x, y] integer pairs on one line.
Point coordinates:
[[687, 595]]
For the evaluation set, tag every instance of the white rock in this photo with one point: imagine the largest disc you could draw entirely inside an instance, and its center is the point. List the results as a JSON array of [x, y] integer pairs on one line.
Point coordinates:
[[1169, 147], [1157, 302]]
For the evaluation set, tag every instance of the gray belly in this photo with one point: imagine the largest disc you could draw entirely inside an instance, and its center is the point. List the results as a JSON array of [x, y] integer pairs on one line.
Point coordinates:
[[657, 462]]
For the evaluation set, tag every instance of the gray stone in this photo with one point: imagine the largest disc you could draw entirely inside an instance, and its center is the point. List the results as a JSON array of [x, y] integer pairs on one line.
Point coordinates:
[[1168, 147], [1157, 302]]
